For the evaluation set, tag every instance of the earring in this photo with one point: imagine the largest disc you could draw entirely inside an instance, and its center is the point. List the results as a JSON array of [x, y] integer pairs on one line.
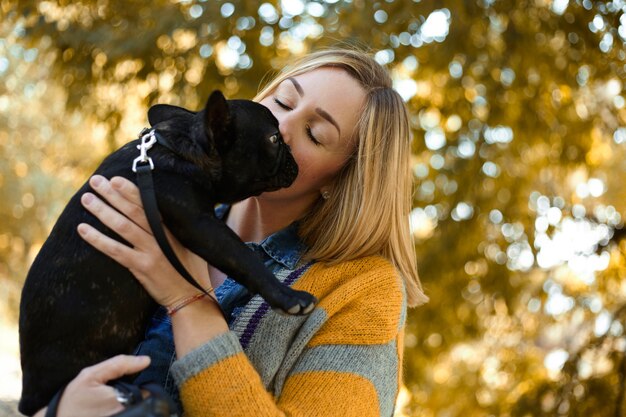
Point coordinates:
[[325, 194]]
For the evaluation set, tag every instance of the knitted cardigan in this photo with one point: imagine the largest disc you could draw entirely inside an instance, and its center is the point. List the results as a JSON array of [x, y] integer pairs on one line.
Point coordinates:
[[343, 359]]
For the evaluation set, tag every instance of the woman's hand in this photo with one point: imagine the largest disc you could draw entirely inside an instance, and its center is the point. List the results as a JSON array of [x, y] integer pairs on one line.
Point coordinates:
[[124, 214], [88, 395]]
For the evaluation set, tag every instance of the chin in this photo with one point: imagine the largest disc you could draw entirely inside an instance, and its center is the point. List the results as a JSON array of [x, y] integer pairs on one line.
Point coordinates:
[[270, 195], [290, 195]]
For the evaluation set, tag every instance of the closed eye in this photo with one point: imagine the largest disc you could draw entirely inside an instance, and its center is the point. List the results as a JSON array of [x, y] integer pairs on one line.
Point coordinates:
[[309, 133], [281, 104]]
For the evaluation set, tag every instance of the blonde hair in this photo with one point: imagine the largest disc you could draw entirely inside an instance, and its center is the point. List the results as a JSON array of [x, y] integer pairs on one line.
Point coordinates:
[[368, 209]]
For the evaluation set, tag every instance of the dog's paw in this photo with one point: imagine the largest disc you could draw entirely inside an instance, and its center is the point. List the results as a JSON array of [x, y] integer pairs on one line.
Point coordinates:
[[295, 303]]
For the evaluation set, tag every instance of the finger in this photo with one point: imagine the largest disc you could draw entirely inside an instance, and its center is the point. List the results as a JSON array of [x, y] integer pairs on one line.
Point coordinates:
[[119, 252], [128, 189], [116, 367], [123, 200], [114, 220]]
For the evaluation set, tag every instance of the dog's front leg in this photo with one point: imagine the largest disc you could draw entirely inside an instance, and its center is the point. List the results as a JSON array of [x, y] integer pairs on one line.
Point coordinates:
[[195, 226]]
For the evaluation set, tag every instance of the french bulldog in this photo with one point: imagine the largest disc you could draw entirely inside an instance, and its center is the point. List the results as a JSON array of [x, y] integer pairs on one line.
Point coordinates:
[[79, 307]]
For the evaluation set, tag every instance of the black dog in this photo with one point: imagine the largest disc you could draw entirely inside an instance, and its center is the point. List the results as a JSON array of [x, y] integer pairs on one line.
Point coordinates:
[[80, 307]]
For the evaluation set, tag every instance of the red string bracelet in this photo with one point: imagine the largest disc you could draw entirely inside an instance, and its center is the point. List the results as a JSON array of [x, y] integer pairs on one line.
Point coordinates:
[[183, 303]]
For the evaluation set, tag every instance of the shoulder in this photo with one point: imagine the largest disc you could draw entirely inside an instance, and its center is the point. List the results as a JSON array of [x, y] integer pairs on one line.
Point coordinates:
[[360, 298], [359, 277]]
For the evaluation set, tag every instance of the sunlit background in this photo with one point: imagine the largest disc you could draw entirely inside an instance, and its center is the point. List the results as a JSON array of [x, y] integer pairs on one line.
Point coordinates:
[[519, 121]]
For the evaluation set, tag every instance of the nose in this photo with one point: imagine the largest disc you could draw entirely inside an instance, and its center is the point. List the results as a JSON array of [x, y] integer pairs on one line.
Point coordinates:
[[284, 127]]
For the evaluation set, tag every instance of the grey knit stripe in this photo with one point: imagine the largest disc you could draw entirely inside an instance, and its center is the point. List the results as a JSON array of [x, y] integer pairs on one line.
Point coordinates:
[[402, 319], [219, 348], [264, 310], [270, 342], [243, 319], [278, 340], [376, 363], [403, 312], [273, 334]]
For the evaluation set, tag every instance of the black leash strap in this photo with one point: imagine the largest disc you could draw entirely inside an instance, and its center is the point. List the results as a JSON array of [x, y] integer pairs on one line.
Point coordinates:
[[53, 405], [143, 166]]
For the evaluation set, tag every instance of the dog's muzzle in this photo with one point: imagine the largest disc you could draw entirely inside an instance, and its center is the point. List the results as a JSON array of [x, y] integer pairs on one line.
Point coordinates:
[[286, 168]]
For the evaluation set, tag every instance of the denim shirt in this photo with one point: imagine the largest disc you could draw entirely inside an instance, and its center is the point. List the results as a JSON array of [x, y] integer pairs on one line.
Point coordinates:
[[280, 250]]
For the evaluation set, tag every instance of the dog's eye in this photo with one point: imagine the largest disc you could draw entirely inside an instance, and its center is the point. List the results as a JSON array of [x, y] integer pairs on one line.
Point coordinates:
[[274, 138]]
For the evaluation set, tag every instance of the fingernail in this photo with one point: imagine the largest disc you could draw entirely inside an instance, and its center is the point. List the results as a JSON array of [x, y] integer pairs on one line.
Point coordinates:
[[87, 198], [82, 228], [142, 359], [116, 182], [96, 180]]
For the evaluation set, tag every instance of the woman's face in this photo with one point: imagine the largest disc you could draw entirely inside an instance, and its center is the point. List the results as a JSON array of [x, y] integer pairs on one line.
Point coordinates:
[[318, 112]]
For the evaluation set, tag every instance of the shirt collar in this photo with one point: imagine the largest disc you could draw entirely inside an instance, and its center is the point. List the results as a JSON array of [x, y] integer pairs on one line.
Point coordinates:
[[284, 246]]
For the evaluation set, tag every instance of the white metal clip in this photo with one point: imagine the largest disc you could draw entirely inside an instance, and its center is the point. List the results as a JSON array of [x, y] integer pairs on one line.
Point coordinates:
[[147, 141]]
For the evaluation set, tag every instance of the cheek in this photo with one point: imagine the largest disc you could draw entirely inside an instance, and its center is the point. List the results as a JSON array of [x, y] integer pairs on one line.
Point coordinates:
[[306, 165], [314, 172]]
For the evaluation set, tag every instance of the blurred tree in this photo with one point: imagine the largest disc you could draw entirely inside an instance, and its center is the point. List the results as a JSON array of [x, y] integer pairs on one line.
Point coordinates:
[[519, 119]]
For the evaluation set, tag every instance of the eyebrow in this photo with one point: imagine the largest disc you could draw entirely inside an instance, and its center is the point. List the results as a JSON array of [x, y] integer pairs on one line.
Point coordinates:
[[319, 111]]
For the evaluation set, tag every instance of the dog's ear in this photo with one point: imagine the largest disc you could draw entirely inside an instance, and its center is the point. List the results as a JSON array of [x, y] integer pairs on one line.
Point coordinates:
[[162, 112], [216, 116]]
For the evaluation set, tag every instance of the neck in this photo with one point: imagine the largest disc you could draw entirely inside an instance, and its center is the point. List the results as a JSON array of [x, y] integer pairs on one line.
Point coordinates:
[[256, 218]]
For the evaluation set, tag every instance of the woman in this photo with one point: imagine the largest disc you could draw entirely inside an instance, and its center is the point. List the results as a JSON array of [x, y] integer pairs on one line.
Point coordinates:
[[340, 231]]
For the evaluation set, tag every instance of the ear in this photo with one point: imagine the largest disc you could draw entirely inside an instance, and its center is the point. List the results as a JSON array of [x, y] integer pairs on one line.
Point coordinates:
[[162, 112], [216, 115]]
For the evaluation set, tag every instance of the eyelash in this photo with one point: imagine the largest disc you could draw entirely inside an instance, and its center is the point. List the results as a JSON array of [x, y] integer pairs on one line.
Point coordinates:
[[307, 128]]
